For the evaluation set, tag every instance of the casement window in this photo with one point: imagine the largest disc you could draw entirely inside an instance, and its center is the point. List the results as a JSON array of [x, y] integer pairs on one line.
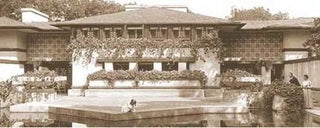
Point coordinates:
[[135, 33], [118, 32], [107, 32], [164, 33], [120, 66], [176, 33], [187, 33], [198, 33], [85, 32], [96, 32], [145, 66], [169, 66], [153, 33]]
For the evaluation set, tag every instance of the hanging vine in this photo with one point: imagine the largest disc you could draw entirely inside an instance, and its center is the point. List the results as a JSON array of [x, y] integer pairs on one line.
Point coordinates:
[[84, 47]]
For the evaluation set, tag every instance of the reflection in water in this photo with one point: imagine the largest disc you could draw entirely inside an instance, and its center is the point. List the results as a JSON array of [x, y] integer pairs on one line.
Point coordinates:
[[255, 118]]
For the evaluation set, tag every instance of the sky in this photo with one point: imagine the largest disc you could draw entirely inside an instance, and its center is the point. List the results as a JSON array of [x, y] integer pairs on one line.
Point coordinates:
[[221, 8]]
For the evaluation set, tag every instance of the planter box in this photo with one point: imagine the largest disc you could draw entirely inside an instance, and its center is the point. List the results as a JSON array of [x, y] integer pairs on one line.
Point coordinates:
[[104, 84], [169, 84], [150, 84]]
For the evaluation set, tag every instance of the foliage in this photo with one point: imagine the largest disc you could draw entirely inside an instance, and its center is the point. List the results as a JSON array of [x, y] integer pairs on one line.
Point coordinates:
[[60, 10], [257, 13], [149, 75], [42, 79], [231, 80], [293, 96], [85, 47], [313, 42], [6, 89]]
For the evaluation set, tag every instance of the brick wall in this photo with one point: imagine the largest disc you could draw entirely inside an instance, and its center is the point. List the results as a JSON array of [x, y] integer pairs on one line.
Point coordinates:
[[48, 45]]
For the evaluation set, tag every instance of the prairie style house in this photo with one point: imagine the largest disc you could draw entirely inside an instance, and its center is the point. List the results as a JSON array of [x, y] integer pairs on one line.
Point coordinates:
[[23, 45]]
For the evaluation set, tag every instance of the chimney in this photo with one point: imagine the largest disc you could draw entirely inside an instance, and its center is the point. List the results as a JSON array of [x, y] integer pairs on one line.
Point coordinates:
[[32, 15]]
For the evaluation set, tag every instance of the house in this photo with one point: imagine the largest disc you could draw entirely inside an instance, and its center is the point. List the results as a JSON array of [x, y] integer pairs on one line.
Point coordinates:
[[24, 44]]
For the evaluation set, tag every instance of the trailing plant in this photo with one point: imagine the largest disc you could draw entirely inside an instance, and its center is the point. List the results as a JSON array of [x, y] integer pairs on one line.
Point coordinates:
[[313, 42], [231, 79], [149, 75], [293, 96], [9, 94], [40, 79], [85, 47]]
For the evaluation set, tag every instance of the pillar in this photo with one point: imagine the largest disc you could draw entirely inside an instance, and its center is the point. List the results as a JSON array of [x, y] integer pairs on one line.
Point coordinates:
[[182, 66], [108, 66], [157, 66], [133, 66], [266, 75]]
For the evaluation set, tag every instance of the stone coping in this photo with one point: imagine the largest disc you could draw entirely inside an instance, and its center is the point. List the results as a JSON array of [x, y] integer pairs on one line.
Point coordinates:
[[163, 112]]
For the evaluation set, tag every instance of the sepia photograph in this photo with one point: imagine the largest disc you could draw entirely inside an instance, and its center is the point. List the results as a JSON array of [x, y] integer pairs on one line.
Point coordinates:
[[159, 63]]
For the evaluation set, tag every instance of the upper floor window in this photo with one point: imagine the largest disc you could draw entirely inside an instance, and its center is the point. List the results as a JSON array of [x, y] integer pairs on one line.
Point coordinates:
[[147, 66], [169, 66], [96, 32], [198, 33], [187, 33], [107, 33], [153, 33], [164, 33], [85, 32], [120, 66], [176, 33], [135, 33], [118, 32]]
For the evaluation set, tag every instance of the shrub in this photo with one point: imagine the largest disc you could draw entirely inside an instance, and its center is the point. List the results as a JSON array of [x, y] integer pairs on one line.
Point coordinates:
[[293, 96], [149, 75], [231, 80]]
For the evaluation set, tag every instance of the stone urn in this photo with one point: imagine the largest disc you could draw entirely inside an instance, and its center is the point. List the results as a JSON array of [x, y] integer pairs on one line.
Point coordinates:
[[278, 103]]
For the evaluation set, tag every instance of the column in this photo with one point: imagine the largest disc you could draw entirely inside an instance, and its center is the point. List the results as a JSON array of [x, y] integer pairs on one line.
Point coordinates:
[[157, 66], [266, 75], [182, 66], [133, 65], [108, 66]]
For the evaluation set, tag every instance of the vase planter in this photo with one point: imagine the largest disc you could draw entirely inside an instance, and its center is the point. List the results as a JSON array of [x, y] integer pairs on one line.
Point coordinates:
[[278, 103]]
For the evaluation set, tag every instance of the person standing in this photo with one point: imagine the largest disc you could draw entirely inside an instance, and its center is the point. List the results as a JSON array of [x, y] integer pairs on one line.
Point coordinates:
[[293, 79], [306, 85]]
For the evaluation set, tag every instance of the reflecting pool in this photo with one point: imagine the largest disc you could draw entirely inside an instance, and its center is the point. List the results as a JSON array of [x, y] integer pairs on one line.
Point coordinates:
[[256, 118]]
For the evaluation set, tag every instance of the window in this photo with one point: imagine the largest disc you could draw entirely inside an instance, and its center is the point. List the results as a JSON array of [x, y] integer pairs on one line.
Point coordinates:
[[199, 33], [153, 33], [120, 66], [96, 33], [107, 33], [85, 33], [145, 66], [164, 34], [135, 33], [169, 66], [187, 34], [118, 33], [176, 34]]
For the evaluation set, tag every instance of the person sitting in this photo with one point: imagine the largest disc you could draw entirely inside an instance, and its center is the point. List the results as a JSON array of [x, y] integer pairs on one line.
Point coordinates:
[[129, 107], [293, 79]]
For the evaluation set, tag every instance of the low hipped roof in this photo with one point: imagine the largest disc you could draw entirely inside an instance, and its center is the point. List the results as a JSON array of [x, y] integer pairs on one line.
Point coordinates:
[[151, 15], [7, 23], [299, 23]]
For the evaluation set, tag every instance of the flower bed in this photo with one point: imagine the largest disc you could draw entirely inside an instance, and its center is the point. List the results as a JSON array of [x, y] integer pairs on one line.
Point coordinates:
[[147, 77]]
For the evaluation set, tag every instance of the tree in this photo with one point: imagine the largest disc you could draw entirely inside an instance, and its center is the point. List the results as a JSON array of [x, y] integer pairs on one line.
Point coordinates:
[[313, 42], [59, 10], [257, 13]]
